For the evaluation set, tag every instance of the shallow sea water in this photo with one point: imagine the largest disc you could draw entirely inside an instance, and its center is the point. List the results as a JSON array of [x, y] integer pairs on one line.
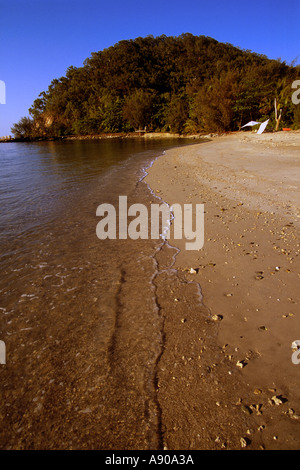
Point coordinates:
[[79, 315]]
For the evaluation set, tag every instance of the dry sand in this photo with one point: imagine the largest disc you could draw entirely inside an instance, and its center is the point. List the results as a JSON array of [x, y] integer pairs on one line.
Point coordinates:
[[218, 380]]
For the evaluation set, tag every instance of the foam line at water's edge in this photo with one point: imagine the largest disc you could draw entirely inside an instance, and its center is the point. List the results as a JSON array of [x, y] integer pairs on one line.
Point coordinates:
[[157, 271], [169, 222]]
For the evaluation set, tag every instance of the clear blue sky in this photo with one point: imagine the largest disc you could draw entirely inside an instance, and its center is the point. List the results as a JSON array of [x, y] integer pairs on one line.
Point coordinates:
[[40, 39]]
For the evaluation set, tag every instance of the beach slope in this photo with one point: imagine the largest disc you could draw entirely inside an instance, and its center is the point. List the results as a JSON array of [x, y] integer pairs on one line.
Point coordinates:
[[226, 377]]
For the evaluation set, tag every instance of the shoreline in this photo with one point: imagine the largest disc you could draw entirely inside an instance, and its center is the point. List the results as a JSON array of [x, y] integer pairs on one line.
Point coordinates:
[[248, 271], [159, 372], [138, 134], [120, 135]]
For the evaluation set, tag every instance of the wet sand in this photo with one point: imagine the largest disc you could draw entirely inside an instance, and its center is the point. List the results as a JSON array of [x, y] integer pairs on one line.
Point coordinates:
[[231, 383]]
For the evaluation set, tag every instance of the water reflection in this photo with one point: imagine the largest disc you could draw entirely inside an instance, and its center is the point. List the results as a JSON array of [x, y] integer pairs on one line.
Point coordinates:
[[46, 182]]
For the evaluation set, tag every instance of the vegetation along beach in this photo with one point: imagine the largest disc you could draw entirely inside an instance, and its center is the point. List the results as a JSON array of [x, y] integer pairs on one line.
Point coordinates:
[[114, 336]]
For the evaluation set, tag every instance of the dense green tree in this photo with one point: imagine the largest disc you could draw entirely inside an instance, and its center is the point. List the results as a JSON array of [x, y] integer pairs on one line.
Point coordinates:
[[213, 107], [178, 84], [178, 113], [137, 110], [24, 129]]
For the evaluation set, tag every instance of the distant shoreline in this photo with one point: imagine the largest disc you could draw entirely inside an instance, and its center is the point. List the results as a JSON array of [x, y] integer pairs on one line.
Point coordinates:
[[136, 134], [121, 135]]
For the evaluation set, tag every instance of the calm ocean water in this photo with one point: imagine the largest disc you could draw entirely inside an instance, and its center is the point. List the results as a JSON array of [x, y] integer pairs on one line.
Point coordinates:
[[78, 315], [45, 186]]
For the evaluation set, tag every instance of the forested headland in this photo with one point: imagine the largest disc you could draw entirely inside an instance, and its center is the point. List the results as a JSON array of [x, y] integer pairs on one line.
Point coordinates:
[[187, 84]]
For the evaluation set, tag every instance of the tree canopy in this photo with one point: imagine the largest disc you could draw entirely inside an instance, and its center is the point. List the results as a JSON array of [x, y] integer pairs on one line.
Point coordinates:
[[185, 84]]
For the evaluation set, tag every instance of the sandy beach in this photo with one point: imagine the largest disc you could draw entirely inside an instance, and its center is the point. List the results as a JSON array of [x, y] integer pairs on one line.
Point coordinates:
[[226, 377], [140, 344]]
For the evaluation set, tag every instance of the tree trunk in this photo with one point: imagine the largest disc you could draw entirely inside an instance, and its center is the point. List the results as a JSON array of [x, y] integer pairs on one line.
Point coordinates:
[[277, 118]]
